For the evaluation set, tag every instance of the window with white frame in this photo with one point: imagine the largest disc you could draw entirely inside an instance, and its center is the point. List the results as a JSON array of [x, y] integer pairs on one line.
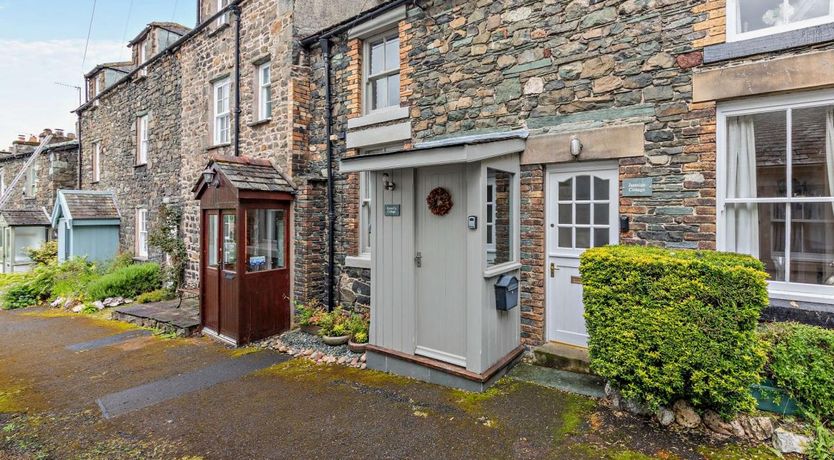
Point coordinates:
[[142, 233], [264, 92], [776, 189], [222, 113], [502, 228], [142, 140], [756, 18], [224, 19], [382, 71], [490, 219], [365, 202], [96, 163]]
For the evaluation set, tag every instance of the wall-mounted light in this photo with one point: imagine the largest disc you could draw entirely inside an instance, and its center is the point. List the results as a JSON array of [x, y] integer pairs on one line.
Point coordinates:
[[386, 181], [575, 146], [209, 175]]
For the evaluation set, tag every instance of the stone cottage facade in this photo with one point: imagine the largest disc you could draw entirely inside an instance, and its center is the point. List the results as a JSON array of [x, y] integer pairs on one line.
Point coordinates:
[[639, 84]]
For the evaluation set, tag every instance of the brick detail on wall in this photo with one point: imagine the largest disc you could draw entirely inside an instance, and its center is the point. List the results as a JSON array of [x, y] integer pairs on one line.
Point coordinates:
[[406, 70], [532, 254], [352, 78], [711, 23]]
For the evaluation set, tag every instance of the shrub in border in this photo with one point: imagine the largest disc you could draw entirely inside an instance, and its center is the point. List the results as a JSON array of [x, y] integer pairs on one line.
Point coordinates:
[[127, 281], [675, 324]]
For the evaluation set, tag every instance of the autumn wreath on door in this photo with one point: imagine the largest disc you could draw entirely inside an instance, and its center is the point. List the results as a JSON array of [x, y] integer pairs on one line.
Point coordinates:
[[439, 201]]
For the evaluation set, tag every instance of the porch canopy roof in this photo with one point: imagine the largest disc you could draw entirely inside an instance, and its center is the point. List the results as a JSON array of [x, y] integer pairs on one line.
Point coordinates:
[[247, 174], [94, 207], [464, 149], [25, 217]]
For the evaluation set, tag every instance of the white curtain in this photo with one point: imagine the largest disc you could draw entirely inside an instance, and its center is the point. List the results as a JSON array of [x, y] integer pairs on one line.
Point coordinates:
[[742, 219], [829, 150]]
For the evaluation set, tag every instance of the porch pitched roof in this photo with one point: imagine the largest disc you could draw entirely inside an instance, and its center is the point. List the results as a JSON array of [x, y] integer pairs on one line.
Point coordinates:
[[246, 173], [85, 205], [25, 217]]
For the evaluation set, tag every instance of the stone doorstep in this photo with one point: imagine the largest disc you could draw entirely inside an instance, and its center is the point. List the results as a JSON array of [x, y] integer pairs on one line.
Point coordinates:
[[184, 321], [563, 356]]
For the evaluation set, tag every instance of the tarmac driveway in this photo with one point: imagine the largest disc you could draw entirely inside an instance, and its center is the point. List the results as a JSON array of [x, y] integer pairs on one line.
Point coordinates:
[[77, 387]]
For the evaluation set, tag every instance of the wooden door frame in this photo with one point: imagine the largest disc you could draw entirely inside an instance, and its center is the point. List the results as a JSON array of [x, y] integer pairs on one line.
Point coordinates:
[[204, 268]]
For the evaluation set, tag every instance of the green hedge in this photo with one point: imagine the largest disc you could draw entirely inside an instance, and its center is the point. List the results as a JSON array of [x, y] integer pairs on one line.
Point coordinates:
[[128, 281], [802, 363], [667, 325]]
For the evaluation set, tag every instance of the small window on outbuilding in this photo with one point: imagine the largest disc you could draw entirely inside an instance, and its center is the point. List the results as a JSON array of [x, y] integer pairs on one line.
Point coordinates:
[[499, 217]]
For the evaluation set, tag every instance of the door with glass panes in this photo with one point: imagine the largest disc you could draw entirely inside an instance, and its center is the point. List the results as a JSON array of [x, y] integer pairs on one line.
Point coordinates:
[[582, 212]]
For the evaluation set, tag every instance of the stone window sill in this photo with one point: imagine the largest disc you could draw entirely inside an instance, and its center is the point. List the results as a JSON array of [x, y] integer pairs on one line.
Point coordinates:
[[218, 146], [501, 269], [255, 124], [361, 261], [140, 259], [770, 43], [219, 29], [140, 165], [378, 117]]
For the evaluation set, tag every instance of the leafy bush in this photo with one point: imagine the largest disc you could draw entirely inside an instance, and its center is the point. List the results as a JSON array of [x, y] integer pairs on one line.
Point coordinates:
[[20, 296], [308, 315], [667, 325], [128, 281], [335, 323], [46, 254], [802, 363], [158, 295], [358, 325], [71, 277]]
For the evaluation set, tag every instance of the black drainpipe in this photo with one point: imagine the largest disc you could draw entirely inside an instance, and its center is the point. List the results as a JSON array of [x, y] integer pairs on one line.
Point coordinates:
[[331, 207], [236, 11], [80, 156]]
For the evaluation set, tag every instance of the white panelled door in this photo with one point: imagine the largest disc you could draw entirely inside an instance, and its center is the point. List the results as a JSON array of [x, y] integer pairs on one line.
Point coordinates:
[[582, 210]]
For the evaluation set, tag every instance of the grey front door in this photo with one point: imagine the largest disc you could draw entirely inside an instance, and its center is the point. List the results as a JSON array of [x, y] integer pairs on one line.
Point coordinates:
[[441, 268]]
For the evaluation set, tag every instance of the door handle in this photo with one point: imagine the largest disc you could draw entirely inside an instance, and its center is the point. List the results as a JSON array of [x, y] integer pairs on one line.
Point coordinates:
[[553, 270], [418, 259]]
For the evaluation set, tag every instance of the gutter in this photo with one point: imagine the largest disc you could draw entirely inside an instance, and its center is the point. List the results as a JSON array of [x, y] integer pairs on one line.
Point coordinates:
[[167, 51]]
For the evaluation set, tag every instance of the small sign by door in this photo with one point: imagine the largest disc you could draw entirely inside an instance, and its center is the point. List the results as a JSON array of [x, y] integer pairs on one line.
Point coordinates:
[[637, 187], [392, 210]]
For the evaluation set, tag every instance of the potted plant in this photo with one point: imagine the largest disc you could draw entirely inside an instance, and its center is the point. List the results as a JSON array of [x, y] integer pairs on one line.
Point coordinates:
[[308, 317], [334, 327], [359, 333]]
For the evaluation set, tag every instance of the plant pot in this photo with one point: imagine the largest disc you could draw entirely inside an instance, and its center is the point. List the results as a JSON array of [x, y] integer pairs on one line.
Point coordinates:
[[771, 398], [357, 347], [336, 341], [312, 330]]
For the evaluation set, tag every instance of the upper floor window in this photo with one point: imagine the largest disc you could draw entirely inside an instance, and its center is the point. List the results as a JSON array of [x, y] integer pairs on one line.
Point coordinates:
[[142, 233], [223, 19], [96, 162], [776, 189], [142, 140], [143, 56], [30, 189], [756, 18], [222, 114], [264, 92], [382, 71]]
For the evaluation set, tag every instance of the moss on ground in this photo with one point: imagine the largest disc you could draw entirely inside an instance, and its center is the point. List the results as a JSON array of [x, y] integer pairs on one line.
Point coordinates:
[[472, 402], [613, 453], [736, 452], [576, 411], [304, 369]]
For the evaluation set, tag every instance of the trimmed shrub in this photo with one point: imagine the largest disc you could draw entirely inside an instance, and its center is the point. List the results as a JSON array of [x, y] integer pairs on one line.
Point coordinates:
[[128, 281], [802, 363], [158, 295], [667, 325], [46, 254]]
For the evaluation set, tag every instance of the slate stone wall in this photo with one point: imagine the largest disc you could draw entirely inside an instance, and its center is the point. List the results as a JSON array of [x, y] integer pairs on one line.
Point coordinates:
[[56, 168]]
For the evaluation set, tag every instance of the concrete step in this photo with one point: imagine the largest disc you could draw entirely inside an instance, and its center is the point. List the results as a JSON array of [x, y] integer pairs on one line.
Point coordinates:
[[571, 382], [564, 357]]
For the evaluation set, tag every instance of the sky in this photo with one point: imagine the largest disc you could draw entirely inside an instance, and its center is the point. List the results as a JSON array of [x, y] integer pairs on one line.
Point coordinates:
[[42, 43]]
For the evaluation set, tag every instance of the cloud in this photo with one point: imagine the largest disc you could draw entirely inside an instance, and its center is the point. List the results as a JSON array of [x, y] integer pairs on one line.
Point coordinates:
[[29, 98]]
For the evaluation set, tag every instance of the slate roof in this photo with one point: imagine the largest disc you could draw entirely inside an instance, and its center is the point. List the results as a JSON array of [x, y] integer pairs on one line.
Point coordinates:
[[178, 29], [25, 217], [90, 205], [124, 67], [251, 174]]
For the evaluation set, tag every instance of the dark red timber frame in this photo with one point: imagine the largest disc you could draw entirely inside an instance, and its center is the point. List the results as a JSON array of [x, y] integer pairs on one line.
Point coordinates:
[[238, 306]]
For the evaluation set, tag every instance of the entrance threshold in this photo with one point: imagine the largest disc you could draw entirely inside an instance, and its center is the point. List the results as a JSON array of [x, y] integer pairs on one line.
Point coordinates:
[[563, 356], [219, 337], [438, 372]]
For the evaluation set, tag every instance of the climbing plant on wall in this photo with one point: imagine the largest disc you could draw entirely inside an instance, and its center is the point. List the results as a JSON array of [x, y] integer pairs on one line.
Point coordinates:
[[166, 237]]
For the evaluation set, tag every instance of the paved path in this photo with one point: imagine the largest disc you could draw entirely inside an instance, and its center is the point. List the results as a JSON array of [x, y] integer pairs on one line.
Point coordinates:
[[129, 395]]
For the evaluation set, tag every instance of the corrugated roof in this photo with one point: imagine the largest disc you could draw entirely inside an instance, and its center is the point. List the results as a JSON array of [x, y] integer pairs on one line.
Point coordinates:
[[25, 217], [91, 205]]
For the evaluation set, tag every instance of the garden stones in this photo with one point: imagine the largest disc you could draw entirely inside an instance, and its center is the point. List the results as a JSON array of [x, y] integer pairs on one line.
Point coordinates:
[[665, 416], [685, 415], [790, 443], [714, 422]]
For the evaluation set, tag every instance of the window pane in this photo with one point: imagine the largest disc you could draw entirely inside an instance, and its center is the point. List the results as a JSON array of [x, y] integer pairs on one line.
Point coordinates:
[[565, 237], [489, 193], [812, 243], [392, 54], [758, 14], [26, 238], [229, 242], [265, 238], [583, 187], [600, 237], [211, 236], [812, 164], [380, 93], [583, 214], [490, 214], [583, 237], [808, 9], [393, 83], [565, 214], [759, 230], [601, 189], [377, 57], [566, 190], [756, 158], [503, 226], [601, 214]]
